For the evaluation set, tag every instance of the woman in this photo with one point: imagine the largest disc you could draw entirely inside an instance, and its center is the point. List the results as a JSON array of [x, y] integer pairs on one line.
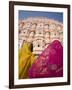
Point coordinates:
[[26, 59], [49, 63]]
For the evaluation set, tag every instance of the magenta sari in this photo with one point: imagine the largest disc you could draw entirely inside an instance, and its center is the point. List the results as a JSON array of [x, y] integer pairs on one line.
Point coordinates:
[[49, 63]]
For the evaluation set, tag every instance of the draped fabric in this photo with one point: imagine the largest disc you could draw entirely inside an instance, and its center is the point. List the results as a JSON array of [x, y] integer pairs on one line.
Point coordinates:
[[49, 63], [26, 59]]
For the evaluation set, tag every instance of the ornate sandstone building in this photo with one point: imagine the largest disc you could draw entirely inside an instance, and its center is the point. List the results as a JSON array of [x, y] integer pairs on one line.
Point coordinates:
[[40, 31]]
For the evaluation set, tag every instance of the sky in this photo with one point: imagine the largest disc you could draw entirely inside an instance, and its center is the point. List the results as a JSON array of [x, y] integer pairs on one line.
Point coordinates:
[[52, 15]]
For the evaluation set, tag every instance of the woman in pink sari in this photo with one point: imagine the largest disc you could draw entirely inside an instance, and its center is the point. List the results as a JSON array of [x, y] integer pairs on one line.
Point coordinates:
[[49, 63]]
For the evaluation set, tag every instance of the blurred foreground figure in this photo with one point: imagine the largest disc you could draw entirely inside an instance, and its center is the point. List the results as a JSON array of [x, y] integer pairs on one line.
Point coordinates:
[[49, 63], [26, 59]]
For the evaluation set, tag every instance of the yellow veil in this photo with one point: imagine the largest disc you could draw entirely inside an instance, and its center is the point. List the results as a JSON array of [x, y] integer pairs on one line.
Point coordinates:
[[26, 59]]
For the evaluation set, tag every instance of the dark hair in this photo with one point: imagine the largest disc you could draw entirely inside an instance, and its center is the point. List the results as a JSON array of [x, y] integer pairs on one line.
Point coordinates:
[[31, 47]]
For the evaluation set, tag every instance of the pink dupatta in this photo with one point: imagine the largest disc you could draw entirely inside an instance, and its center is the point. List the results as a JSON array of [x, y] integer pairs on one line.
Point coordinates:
[[49, 63]]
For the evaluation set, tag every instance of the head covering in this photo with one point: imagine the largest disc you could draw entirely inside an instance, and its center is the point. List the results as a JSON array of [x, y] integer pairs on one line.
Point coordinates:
[[49, 63]]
